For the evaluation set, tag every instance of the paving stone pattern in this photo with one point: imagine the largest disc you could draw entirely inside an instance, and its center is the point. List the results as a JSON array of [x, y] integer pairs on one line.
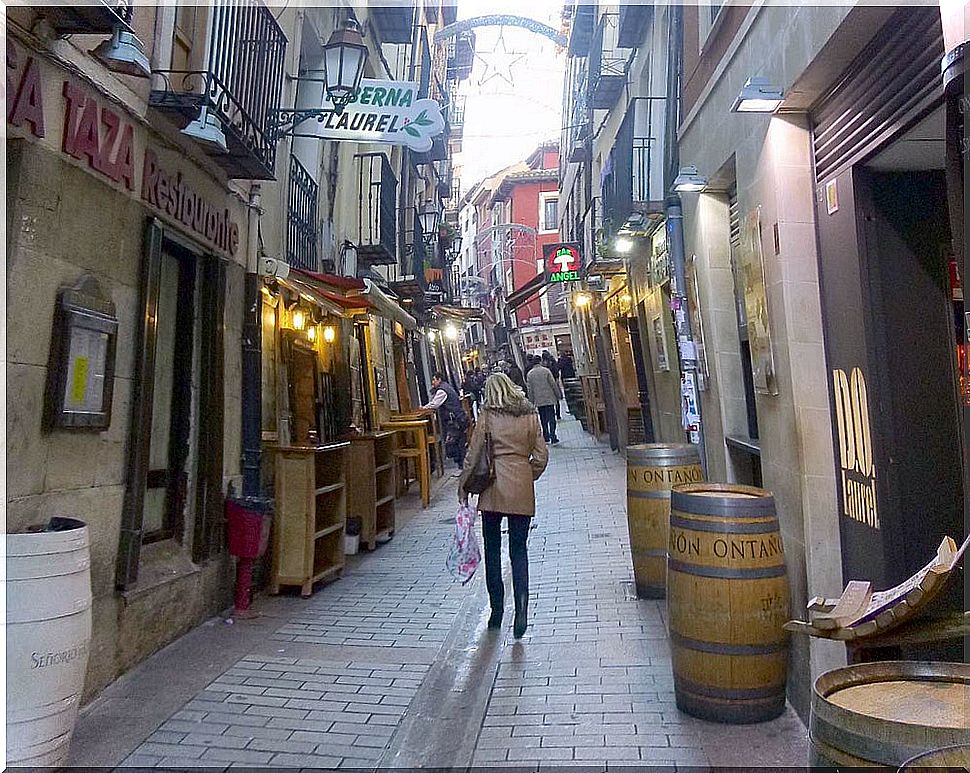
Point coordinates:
[[589, 685]]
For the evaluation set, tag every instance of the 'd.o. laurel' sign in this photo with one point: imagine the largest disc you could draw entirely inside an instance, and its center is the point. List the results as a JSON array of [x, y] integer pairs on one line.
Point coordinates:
[[387, 112]]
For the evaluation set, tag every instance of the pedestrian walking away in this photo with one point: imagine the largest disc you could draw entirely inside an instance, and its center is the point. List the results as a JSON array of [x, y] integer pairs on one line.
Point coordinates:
[[451, 415], [520, 457], [550, 362], [566, 367], [545, 394]]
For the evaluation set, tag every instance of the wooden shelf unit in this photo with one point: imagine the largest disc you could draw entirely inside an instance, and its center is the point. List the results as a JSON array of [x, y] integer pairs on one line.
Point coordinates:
[[372, 483], [311, 515]]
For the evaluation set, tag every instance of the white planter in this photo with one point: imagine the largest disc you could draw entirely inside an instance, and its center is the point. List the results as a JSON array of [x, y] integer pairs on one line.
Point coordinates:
[[351, 544], [48, 636]]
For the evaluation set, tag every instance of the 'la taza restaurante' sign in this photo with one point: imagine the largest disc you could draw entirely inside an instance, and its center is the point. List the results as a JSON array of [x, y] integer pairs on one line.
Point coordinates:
[[383, 111]]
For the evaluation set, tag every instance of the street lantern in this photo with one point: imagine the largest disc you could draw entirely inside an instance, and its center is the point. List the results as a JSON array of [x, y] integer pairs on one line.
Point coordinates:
[[689, 180], [455, 246], [344, 58], [758, 95], [429, 221]]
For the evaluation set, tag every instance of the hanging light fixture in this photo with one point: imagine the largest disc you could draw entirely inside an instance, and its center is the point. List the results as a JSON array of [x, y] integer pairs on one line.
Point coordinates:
[[329, 334], [299, 319], [623, 244], [344, 58], [207, 130], [758, 96], [123, 53], [456, 246], [311, 333], [429, 221], [689, 181]]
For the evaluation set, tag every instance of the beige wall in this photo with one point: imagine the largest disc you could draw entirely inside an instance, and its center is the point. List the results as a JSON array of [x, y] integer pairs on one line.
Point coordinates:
[[770, 158]]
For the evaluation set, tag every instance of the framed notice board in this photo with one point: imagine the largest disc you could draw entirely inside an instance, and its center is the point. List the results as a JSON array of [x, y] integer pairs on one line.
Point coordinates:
[[80, 380]]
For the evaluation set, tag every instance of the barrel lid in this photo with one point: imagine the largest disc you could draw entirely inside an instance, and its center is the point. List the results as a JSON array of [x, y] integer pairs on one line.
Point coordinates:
[[654, 451], [948, 756], [905, 692], [721, 498]]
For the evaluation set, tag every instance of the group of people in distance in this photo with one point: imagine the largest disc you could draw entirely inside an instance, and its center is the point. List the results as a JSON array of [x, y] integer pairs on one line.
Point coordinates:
[[518, 411]]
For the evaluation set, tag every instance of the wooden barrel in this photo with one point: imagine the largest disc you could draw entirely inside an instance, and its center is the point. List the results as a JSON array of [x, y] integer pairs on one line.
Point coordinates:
[[888, 712], [947, 758], [727, 600], [48, 634], [652, 469]]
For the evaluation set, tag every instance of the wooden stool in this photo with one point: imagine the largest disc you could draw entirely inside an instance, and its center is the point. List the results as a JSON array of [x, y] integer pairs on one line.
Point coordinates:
[[436, 446], [413, 445]]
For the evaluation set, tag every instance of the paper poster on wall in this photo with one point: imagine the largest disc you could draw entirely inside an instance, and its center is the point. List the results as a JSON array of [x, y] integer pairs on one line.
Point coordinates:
[[752, 270], [659, 339]]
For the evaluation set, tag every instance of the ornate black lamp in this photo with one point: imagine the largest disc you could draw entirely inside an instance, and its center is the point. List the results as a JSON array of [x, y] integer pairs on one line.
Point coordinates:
[[344, 58]]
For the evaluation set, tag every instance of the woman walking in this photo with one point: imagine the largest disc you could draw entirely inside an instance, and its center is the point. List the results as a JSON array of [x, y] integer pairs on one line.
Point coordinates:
[[520, 457]]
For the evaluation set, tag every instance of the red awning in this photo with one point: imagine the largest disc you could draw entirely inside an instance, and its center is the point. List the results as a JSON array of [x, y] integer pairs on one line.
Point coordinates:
[[341, 282], [524, 294], [352, 302]]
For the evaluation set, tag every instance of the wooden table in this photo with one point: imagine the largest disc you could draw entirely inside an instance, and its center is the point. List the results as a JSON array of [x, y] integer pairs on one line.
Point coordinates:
[[413, 444]]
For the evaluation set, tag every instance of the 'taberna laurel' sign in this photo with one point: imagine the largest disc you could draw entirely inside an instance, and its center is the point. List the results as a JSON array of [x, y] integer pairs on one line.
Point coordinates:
[[384, 111]]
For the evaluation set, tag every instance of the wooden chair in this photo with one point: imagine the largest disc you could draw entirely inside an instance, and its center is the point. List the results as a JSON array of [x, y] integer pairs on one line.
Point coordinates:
[[412, 447]]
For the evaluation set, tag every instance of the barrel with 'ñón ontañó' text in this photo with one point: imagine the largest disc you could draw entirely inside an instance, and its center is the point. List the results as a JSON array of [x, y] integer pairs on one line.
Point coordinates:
[[727, 600], [652, 469]]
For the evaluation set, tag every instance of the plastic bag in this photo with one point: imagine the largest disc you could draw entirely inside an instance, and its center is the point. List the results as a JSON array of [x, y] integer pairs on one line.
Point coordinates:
[[464, 556]]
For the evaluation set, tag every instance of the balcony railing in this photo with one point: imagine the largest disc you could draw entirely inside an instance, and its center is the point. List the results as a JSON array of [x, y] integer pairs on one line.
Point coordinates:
[[98, 17], [607, 66], [635, 179], [240, 86], [301, 218], [377, 211], [395, 23], [461, 55]]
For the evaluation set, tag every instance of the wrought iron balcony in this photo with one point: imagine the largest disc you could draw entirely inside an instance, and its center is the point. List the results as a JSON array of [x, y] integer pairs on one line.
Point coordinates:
[[377, 211], [98, 17], [301, 218], [634, 19], [635, 178], [583, 26], [607, 67], [577, 132], [240, 86], [461, 55], [395, 23]]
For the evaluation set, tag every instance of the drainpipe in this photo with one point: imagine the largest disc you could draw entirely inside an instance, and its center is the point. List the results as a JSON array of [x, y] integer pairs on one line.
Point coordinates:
[[675, 233], [252, 358]]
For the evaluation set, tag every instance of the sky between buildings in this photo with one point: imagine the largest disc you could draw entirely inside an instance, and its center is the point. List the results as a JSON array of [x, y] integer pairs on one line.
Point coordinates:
[[514, 94]]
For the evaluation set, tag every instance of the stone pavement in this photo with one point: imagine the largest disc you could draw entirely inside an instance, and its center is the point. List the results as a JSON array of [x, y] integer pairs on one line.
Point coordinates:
[[392, 665]]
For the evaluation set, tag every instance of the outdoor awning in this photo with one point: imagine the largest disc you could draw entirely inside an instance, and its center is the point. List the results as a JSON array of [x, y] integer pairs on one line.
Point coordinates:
[[312, 294], [524, 294], [383, 304], [340, 282], [461, 313]]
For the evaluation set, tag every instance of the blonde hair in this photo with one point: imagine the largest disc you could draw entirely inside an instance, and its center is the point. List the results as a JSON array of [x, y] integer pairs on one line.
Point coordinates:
[[503, 394]]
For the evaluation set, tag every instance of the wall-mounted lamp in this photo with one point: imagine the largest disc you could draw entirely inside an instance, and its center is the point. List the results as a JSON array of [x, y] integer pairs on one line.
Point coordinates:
[[582, 299], [207, 130], [311, 333], [344, 58], [758, 96], [432, 335], [626, 298], [451, 332], [689, 181], [298, 319], [123, 53], [623, 245], [329, 334], [429, 221]]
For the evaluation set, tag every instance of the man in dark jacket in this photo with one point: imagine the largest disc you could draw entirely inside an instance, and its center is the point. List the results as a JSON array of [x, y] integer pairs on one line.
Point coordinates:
[[451, 417], [566, 367]]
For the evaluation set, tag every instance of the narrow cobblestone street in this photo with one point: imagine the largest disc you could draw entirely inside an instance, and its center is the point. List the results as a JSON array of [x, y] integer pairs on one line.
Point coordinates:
[[392, 665]]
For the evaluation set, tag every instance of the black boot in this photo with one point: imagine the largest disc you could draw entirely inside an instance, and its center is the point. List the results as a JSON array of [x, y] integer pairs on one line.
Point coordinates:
[[521, 621], [495, 619]]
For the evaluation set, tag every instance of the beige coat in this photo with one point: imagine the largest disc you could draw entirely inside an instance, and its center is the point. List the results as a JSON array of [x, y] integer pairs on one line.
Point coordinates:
[[520, 458]]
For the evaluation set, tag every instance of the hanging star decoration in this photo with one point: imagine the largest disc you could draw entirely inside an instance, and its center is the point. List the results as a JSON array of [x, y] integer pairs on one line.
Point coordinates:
[[498, 64]]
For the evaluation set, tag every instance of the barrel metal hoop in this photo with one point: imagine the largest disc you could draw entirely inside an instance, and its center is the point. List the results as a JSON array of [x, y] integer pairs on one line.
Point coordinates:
[[722, 573], [718, 648], [743, 507], [862, 746], [726, 527], [636, 494], [730, 693]]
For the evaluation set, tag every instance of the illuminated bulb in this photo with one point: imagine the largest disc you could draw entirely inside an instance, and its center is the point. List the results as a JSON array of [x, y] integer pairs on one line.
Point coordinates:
[[582, 299], [623, 244], [431, 335], [311, 333], [451, 332], [626, 298], [299, 320], [329, 334]]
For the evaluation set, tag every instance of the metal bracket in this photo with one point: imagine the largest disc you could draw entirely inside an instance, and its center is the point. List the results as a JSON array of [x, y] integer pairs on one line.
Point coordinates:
[[283, 122]]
